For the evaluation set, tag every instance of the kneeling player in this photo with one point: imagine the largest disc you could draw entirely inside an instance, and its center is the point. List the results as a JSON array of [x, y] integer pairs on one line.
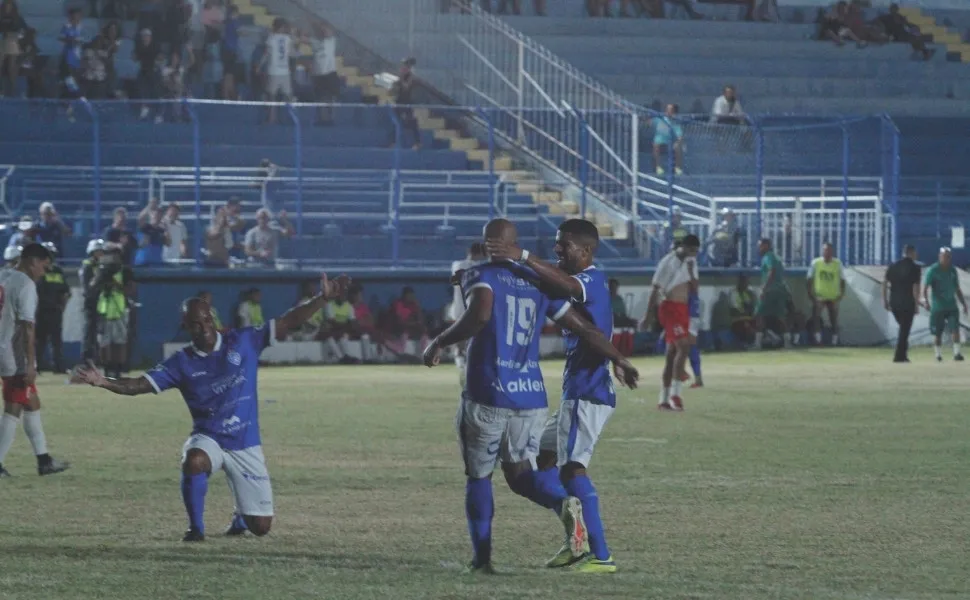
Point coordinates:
[[216, 375], [18, 304]]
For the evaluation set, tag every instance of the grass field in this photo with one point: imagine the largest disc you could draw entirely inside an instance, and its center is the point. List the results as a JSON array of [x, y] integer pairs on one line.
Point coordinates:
[[824, 474]]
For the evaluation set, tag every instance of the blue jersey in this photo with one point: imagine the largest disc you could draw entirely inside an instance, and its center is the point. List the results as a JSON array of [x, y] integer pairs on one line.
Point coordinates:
[[694, 305], [71, 53], [587, 373], [219, 387], [503, 358]]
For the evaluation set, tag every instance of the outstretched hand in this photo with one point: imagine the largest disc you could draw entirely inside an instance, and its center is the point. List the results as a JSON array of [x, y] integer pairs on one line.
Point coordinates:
[[626, 373], [88, 374], [501, 250]]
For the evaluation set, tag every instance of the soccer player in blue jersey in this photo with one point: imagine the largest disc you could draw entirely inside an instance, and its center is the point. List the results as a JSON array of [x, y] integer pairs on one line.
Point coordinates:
[[504, 406], [588, 396], [216, 376]]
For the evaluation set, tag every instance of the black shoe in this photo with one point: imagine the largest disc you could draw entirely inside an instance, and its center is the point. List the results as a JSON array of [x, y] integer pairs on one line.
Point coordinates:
[[237, 526], [939, 359], [193, 535], [51, 466], [958, 358], [4, 472]]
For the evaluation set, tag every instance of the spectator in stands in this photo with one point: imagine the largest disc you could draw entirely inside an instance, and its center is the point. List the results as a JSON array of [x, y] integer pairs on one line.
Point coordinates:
[[94, 69], [279, 51], [408, 322], [173, 84], [257, 68], [722, 249], [12, 27], [146, 54], [833, 25], [213, 18], [233, 67], [263, 241], [32, 64], [516, 5], [326, 81], [620, 317], [118, 233], [250, 312], [341, 328], [900, 30], [70, 67], [152, 235], [403, 93], [674, 232], [111, 36], [176, 235], [727, 108], [742, 311], [51, 229], [269, 184], [218, 239], [667, 134]]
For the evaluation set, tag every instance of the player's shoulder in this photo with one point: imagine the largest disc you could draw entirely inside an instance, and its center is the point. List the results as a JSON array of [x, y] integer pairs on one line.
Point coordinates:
[[595, 281]]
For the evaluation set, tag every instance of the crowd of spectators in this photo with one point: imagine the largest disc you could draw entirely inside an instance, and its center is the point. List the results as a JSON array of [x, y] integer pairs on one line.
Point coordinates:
[[845, 21], [180, 48]]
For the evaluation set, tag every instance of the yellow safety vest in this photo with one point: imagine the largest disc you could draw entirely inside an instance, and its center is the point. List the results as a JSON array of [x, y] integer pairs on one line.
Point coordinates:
[[827, 278], [112, 305], [342, 313], [255, 314]]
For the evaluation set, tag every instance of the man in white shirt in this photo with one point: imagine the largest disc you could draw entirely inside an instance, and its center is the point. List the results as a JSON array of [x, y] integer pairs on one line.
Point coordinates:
[[326, 81], [177, 235], [279, 50], [727, 108], [263, 241]]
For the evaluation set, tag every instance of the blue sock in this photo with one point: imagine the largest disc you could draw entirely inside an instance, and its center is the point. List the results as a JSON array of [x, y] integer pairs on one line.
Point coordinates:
[[479, 509], [695, 360], [238, 522], [541, 487], [581, 487], [194, 488]]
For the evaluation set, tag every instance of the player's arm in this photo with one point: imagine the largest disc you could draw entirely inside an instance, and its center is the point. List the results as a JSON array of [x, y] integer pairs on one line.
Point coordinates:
[[885, 290], [473, 320], [927, 284], [124, 386], [554, 281], [294, 318], [25, 329], [595, 339]]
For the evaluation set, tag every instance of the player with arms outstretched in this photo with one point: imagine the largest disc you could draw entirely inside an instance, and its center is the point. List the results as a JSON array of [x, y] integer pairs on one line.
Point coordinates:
[[504, 406], [674, 280], [216, 376], [18, 365], [588, 396], [943, 280]]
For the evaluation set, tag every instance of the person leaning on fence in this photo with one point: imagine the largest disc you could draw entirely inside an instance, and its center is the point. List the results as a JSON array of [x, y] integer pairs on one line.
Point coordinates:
[[668, 137]]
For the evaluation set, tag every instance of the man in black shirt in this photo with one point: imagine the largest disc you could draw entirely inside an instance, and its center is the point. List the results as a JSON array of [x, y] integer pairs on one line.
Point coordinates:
[[52, 295], [899, 29], [403, 92], [900, 294]]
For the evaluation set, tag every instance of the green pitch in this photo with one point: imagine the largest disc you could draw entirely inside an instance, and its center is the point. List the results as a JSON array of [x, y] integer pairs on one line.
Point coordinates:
[[826, 474]]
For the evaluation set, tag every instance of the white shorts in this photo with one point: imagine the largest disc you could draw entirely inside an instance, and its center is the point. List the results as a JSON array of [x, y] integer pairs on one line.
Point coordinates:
[[694, 327], [487, 434], [279, 85], [245, 471], [573, 430]]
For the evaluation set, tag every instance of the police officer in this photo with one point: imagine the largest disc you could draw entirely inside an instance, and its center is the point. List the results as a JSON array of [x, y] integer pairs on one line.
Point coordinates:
[[52, 295], [88, 275]]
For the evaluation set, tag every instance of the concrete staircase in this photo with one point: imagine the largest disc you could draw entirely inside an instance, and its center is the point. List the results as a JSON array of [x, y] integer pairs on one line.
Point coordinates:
[[956, 49], [527, 181]]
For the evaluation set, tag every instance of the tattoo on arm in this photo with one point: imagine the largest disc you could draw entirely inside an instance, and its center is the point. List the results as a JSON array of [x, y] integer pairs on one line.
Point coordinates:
[[128, 386]]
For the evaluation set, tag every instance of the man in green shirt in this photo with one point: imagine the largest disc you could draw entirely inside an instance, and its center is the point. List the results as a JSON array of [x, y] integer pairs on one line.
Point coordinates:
[[943, 280], [772, 305]]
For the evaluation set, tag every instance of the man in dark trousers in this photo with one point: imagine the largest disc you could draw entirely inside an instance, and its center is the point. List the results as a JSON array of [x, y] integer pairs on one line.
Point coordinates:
[[52, 295], [900, 295], [87, 275]]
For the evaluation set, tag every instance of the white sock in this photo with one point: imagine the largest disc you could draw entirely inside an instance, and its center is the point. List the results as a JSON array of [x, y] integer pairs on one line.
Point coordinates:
[[675, 388], [35, 432], [342, 343], [956, 348], [818, 337], [334, 348], [365, 347], [835, 339], [758, 338], [8, 431], [939, 351], [664, 395]]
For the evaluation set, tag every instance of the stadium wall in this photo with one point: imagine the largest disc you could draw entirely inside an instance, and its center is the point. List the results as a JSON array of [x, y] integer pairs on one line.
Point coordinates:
[[161, 291]]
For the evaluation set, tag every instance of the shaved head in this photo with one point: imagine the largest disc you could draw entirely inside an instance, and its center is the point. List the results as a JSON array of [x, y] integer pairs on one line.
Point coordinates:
[[501, 229]]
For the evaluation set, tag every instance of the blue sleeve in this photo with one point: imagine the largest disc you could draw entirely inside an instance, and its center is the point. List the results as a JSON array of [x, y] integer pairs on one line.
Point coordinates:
[[167, 374], [476, 277], [557, 308], [258, 338]]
